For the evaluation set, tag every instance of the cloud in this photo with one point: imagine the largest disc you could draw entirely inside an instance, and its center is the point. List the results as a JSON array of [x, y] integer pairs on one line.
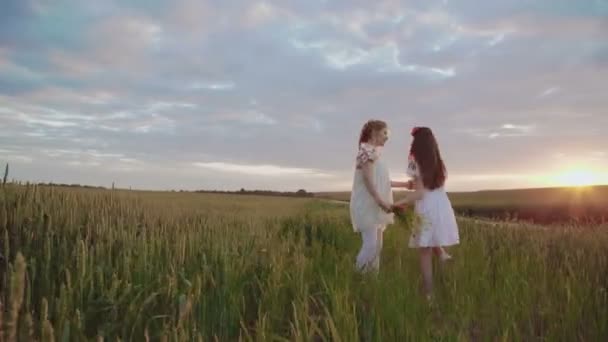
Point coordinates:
[[261, 170], [549, 91], [290, 83], [518, 128], [504, 131], [212, 85]]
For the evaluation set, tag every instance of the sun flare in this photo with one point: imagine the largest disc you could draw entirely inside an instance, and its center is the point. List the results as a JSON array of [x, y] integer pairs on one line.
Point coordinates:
[[577, 178]]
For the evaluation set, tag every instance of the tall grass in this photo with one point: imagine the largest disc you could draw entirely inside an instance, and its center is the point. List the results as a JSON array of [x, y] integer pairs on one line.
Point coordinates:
[[88, 264]]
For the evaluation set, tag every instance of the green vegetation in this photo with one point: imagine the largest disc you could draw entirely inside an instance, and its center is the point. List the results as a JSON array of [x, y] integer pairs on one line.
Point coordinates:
[[545, 205], [79, 264]]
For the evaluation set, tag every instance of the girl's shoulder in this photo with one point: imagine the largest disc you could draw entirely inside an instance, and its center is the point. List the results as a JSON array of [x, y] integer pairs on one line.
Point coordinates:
[[366, 153], [367, 148], [412, 167]]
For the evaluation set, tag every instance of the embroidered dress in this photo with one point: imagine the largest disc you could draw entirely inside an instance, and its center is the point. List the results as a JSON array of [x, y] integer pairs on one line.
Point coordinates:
[[364, 211]]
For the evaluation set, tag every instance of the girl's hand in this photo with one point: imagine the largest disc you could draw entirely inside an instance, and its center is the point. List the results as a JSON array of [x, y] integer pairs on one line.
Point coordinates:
[[400, 204], [395, 208], [387, 208], [410, 185]]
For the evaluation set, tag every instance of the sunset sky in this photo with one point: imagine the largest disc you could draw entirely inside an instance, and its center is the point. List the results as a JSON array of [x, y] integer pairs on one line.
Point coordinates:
[[193, 94]]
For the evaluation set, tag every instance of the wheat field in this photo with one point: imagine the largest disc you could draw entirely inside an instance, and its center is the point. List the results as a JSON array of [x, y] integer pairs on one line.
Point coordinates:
[[114, 265]]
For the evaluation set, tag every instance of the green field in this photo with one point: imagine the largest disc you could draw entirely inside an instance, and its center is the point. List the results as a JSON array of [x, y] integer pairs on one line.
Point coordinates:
[[83, 264], [543, 205]]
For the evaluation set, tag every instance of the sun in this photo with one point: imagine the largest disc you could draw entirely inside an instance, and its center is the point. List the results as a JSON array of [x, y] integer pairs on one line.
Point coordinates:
[[577, 178]]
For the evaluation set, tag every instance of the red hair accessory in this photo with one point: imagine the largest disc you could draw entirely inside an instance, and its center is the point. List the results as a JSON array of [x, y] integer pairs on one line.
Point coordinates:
[[414, 130]]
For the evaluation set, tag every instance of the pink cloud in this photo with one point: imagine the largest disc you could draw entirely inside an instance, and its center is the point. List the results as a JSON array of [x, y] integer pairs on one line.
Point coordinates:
[[124, 41]]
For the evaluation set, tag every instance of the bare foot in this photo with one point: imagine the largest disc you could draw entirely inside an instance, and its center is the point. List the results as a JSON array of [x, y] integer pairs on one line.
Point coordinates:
[[445, 257]]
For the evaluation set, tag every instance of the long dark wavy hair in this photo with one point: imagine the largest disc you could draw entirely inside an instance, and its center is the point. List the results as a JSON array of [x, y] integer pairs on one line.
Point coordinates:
[[425, 151]]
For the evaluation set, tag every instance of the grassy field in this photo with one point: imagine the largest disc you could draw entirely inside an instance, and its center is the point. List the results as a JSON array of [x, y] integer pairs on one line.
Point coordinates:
[[545, 205], [88, 264]]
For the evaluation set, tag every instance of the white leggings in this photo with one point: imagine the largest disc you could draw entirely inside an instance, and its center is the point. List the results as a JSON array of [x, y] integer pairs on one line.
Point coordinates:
[[369, 255]]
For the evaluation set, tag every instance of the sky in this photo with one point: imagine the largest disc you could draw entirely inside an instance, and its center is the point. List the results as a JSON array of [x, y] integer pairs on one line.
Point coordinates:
[[195, 94]]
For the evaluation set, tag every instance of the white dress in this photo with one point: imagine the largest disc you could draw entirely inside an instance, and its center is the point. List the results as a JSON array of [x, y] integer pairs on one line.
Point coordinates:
[[364, 211], [438, 225]]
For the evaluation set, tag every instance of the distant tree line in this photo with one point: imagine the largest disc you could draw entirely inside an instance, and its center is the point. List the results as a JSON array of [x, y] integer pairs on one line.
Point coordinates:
[[71, 185], [299, 193]]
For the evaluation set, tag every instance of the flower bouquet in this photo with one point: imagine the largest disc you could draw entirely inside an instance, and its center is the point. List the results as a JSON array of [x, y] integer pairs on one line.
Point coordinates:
[[406, 217]]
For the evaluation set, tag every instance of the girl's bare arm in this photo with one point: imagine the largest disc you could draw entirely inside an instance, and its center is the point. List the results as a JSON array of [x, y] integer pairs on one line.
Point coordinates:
[[410, 198], [408, 185], [367, 180]]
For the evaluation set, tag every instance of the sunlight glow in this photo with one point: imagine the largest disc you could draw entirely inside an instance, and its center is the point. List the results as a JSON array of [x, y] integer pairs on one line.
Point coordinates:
[[578, 177]]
